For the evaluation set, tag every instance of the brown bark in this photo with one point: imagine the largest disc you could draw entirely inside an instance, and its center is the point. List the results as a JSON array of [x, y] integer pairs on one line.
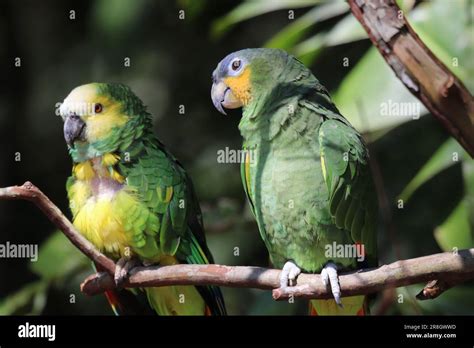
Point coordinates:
[[452, 268], [444, 95]]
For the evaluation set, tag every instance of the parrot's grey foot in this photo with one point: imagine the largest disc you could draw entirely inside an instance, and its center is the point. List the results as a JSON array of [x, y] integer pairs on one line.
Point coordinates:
[[329, 276], [122, 267], [288, 274]]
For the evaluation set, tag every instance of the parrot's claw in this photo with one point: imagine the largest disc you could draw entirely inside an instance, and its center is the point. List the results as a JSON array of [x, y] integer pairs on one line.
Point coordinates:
[[329, 276], [288, 275], [122, 267]]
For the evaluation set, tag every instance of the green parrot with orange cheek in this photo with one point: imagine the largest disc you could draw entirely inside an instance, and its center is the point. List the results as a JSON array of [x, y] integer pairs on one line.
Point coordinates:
[[309, 184], [132, 199]]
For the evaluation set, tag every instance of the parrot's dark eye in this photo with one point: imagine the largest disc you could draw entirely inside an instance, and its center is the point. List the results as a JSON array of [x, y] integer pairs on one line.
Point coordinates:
[[98, 108], [236, 64]]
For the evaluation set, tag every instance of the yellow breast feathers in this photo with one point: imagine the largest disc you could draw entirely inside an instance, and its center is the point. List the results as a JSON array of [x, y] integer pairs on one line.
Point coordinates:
[[101, 205]]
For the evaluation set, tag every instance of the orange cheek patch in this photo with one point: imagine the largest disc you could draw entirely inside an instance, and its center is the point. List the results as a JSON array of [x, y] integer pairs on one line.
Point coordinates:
[[240, 86]]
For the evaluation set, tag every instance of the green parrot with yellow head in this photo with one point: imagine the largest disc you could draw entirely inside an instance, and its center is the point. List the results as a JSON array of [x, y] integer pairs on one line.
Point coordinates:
[[306, 171], [132, 199]]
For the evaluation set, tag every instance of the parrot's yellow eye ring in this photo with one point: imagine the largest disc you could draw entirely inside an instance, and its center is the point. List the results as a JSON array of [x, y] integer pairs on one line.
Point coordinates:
[[98, 108], [236, 64]]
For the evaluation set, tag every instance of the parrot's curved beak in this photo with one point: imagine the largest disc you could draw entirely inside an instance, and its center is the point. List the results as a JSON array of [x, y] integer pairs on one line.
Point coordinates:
[[74, 129], [222, 97]]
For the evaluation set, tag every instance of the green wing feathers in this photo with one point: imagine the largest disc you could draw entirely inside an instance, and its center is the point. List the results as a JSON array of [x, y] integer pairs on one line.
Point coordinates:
[[176, 222], [346, 171]]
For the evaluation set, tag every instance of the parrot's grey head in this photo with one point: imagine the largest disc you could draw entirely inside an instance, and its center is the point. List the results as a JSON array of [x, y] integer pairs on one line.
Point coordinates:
[[245, 75]]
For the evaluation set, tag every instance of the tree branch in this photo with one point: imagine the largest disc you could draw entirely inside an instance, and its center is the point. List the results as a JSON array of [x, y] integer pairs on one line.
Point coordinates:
[[444, 95], [452, 268], [449, 268], [30, 192]]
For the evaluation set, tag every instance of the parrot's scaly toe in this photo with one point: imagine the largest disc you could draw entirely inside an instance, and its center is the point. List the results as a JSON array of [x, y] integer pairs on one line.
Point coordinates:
[[329, 276], [123, 266], [289, 273]]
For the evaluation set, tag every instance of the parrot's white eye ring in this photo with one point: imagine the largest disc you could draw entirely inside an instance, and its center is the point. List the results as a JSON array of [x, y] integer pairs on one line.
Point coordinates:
[[236, 64], [98, 108]]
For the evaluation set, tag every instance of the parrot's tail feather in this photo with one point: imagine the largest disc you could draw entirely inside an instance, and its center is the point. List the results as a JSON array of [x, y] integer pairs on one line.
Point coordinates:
[[362, 312], [354, 305], [312, 310], [126, 301], [113, 301]]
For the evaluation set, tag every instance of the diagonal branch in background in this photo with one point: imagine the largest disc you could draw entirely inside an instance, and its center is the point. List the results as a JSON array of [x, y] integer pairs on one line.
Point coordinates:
[[30, 192], [425, 76], [449, 268]]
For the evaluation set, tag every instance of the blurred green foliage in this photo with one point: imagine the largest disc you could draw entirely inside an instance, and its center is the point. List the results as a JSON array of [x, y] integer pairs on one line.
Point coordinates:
[[171, 62]]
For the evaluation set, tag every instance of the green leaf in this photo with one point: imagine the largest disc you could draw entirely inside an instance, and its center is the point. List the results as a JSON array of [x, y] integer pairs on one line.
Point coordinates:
[[308, 50], [452, 44], [405, 5], [117, 17], [369, 88], [58, 257], [448, 154], [292, 33], [193, 8], [20, 301], [468, 174], [346, 30], [371, 83], [253, 8], [455, 231]]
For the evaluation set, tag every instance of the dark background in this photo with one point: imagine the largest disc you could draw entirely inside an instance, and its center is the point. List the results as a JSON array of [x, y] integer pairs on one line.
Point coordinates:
[[171, 65]]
